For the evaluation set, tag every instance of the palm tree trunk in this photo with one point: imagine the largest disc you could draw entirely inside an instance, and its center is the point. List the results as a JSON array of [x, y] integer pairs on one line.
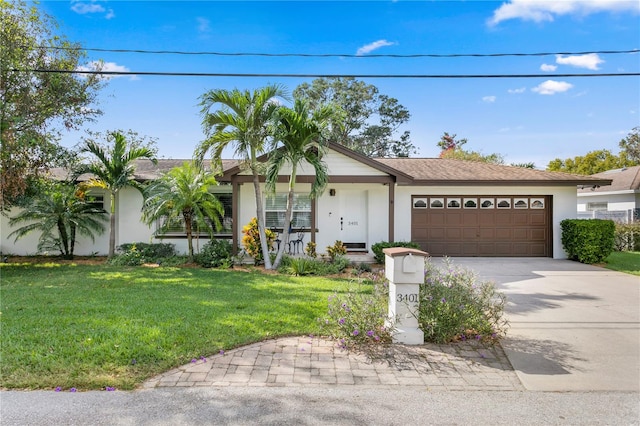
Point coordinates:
[[287, 218], [72, 242], [112, 225], [187, 226], [64, 239], [261, 228]]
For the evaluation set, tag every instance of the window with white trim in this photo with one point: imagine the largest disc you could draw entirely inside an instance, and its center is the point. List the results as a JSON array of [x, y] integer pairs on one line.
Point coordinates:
[[176, 227], [597, 206], [276, 207]]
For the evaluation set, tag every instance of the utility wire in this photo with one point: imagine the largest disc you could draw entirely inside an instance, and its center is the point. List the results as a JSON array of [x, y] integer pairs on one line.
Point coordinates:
[[340, 55], [283, 75]]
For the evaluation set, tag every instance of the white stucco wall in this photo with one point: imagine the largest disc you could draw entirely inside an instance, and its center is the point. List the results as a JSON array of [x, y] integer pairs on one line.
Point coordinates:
[[563, 202], [27, 245]]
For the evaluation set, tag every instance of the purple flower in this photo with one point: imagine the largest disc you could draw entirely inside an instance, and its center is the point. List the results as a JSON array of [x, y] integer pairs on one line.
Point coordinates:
[[341, 321], [302, 349], [376, 338], [463, 337], [443, 300], [110, 389], [221, 352], [134, 362], [73, 390], [355, 332], [478, 337], [193, 360], [482, 355], [58, 389], [203, 359], [311, 335], [370, 333], [494, 335]]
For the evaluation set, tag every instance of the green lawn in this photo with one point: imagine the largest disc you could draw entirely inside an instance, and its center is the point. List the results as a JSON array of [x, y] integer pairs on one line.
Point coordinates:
[[90, 327], [624, 261]]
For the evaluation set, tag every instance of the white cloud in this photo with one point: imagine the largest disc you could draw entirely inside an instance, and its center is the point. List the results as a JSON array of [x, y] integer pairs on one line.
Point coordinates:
[[548, 67], [589, 61], [106, 66], [516, 91], [92, 6], [489, 99], [373, 46], [84, 8], [546, 10], [551, 87], [204, 25]]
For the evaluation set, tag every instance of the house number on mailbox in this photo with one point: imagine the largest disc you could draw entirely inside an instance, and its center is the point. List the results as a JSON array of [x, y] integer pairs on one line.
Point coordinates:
[[407, 298]]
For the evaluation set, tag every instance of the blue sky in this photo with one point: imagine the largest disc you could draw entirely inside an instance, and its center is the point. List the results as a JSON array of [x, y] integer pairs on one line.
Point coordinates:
[[525, 119]]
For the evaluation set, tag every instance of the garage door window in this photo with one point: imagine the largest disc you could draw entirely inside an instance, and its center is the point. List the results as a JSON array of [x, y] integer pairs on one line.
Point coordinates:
[[504, 203], [470, 203], [437, 203], [487, 203], [520, 203]]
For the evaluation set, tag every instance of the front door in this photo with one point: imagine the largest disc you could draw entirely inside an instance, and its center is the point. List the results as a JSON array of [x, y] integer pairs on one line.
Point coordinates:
[[353, 219]]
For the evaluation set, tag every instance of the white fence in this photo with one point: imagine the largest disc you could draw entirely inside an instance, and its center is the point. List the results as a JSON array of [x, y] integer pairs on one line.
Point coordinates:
[[620, 216]]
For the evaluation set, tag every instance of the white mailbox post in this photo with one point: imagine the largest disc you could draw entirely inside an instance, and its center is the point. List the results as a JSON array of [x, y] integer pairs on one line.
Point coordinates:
[[404, 268]]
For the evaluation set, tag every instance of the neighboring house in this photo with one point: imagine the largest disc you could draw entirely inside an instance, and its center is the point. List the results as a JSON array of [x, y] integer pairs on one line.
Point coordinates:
[[449, 207], [619, 201]]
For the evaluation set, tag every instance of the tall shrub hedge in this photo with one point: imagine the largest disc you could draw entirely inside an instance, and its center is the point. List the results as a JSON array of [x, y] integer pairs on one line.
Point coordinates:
[[588, 240], [378, 247]]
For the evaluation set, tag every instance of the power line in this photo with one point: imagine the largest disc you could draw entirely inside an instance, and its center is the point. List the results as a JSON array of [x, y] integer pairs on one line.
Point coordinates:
[[319, 75], [339, 55]]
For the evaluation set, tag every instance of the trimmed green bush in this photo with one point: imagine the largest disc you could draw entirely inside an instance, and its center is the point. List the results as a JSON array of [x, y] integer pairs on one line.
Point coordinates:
[[378, 247], [588, 240], [215, 254], [134, 254]]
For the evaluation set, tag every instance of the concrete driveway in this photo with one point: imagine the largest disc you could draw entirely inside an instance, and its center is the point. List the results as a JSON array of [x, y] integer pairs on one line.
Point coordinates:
[[574, 327]]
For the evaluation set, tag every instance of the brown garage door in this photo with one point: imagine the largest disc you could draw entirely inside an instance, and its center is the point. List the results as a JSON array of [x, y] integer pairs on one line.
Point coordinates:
[[482, 225]]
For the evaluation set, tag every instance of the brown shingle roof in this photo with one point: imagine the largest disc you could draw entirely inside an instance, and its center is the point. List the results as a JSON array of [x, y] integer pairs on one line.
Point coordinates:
[[439, 171], [625, 179]]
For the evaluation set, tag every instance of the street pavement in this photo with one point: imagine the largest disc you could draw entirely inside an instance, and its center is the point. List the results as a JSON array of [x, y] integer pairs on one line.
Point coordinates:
[[572, 356]]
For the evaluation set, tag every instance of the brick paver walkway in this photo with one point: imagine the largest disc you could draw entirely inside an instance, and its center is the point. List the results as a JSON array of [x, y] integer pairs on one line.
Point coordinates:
[[313, 361]]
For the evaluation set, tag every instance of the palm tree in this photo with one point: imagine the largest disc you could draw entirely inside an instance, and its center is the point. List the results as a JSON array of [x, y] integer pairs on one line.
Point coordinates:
[[242, 121], [298, 136], [113, 171], [183, 193], [61, 213]]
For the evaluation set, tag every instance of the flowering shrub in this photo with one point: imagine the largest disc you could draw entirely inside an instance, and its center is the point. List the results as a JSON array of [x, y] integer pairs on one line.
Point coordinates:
[[455, 305], [310, 250], [336, 250], [357, 316], [251, 240]]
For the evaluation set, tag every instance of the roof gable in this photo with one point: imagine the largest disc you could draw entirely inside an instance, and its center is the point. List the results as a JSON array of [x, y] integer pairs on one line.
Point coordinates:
[[625, 179]]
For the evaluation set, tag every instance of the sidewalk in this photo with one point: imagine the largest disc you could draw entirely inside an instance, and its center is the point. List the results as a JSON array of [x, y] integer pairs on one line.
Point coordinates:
[[312, 361]]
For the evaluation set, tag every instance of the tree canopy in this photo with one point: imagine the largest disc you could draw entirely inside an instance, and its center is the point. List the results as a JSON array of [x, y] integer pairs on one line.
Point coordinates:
[[452, 149], [630, 145], [364, 120], [242, 120], [113, 167], [36, 105], [592, 162]]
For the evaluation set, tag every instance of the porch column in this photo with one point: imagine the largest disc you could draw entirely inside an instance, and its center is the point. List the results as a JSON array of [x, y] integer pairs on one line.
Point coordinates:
[[235, 202], [314, 204]]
